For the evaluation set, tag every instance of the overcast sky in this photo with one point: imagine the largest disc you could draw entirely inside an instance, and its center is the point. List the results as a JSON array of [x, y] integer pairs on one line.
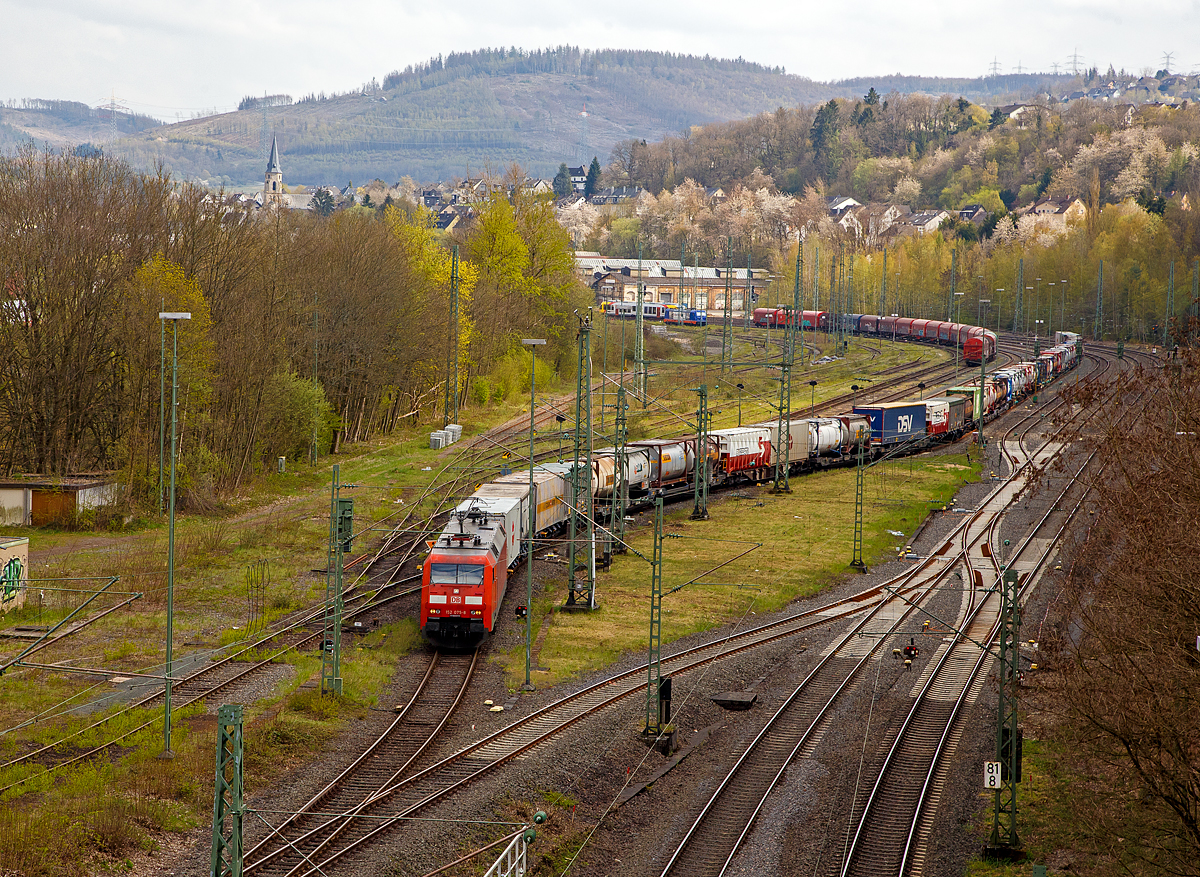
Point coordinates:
[[171, 59]]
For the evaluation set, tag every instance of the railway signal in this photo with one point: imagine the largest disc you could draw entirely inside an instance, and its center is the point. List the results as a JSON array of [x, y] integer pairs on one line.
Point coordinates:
[[1005, 842]]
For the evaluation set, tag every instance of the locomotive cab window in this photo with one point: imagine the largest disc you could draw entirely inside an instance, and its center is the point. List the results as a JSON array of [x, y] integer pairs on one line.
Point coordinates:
[[456, 573]]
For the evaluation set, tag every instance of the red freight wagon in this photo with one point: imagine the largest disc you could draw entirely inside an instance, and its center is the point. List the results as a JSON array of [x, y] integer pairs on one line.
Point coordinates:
[[743, 448]]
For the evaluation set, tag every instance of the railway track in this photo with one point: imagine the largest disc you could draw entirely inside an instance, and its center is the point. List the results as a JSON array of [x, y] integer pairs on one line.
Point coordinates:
[[894, 825], [463, 469], [329, 817], [422, 788], [724, 821]]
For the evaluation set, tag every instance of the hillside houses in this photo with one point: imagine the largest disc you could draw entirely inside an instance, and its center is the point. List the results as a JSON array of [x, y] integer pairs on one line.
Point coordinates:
[[875, 224], [1172, 88]]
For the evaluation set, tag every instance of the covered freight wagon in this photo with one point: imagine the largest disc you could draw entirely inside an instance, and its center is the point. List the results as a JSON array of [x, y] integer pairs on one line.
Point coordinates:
[[893, 423]]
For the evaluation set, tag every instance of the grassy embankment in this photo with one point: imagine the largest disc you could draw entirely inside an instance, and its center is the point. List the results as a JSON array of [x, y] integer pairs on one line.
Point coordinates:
[[806, 544]]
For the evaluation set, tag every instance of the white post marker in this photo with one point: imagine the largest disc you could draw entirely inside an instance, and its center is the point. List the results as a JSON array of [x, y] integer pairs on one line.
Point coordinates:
[[991, 775]]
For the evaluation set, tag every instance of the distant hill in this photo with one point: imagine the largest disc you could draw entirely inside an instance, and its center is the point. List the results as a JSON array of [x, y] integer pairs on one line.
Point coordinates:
[[58, 123], [457, 115]]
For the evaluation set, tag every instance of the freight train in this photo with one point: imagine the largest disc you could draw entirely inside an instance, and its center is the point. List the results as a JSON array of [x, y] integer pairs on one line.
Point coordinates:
[[466, 572], [977, 342]]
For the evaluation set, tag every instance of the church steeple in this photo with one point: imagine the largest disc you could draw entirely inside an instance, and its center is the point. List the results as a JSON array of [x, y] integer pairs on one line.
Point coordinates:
[[273, 186], [273, 161]]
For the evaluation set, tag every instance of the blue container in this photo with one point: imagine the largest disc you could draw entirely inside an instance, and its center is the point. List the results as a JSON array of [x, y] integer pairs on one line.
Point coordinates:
[[894, 423]]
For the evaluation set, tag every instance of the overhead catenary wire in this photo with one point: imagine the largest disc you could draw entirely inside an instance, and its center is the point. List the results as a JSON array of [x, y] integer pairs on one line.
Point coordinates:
[[629, 777]]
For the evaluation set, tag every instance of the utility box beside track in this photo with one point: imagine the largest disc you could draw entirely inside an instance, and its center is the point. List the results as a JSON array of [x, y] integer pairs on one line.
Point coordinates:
[[14, 572]]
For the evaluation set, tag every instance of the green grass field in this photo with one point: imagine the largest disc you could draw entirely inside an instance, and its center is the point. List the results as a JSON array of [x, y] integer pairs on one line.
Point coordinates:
[[806, 545]]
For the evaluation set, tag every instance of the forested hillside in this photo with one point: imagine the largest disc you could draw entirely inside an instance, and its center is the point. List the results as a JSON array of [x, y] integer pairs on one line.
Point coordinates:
[[463, 113], [1135, 172], [65, 123]]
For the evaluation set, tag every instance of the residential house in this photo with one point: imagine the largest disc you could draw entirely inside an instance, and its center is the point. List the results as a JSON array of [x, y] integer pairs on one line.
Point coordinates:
[[1055, 214], [871, 223], [578, 178], [839, 204], [925, 222], [973, 213], [454, 216], [617, 194]]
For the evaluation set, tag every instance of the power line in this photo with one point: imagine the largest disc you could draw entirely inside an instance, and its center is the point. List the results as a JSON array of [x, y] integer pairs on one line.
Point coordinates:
[[113, 104], [581, 150], [262, 131], [995, 66], [1074, 59]]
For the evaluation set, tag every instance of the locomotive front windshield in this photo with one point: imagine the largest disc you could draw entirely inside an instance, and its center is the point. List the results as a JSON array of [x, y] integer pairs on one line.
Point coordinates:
[[456, 573]]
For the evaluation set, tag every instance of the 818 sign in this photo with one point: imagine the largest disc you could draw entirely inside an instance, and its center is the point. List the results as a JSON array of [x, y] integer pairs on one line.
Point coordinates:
[[991, 775]]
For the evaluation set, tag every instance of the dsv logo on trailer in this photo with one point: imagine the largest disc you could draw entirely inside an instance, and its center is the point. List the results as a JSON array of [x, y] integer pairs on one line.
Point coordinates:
[[904, 423]]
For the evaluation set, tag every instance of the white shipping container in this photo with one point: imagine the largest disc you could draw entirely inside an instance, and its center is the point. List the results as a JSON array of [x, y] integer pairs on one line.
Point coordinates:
[[937, 413], [550, 488], [824, 435]]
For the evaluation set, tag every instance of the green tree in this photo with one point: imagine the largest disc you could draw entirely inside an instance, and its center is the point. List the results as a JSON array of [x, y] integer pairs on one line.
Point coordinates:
[[825, 140], [322, 202], [593, 178], [562, 181]]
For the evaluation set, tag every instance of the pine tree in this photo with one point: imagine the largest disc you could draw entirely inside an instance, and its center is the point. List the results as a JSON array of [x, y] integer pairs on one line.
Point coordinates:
[[562, 181], [593, 178]]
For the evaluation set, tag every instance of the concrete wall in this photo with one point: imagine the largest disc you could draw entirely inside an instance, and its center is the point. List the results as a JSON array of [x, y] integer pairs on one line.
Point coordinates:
[[95, 497], [14, 506]]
